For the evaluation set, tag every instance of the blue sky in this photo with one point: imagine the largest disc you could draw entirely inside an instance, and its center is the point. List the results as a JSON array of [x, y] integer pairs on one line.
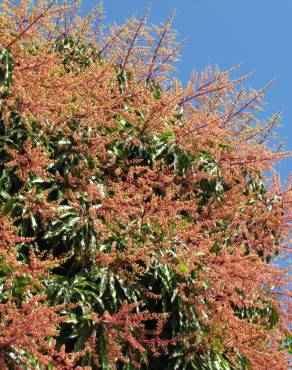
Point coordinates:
[[254, 33]]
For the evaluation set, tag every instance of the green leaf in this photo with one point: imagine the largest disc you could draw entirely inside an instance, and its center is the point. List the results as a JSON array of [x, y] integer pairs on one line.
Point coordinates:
[[6, 68], [166, 135], [183, 267], [215, 247]]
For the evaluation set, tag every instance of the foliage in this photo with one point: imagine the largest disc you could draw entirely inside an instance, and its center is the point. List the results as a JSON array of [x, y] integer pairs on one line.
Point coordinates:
[[137, 218]]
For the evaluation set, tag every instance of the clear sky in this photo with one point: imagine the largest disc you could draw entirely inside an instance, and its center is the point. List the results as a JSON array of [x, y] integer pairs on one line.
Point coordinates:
[[254, 33]]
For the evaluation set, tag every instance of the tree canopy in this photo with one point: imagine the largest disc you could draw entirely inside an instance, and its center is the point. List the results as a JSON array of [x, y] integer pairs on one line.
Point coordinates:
[[139, 218]]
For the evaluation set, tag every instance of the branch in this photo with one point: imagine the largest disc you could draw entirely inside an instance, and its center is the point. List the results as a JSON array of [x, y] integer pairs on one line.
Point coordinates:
[[167, 25], [30, 25], [248, 103], [169, 56], [202, 93], [111, 39], [135, 37]]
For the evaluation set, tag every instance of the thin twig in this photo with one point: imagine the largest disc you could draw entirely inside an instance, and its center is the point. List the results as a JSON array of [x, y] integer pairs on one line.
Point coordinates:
[[30, 26], [167, 25], [135, 37]]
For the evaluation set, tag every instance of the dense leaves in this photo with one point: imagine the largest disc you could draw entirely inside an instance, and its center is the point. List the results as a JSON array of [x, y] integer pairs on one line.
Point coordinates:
[[138, 218]]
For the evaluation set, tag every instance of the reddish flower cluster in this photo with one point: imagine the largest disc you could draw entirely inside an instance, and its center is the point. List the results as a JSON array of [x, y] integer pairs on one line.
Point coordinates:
[[170, 192]]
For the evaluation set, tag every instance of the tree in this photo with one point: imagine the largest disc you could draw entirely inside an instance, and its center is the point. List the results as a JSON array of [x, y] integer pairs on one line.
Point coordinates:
[[138, 218]]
